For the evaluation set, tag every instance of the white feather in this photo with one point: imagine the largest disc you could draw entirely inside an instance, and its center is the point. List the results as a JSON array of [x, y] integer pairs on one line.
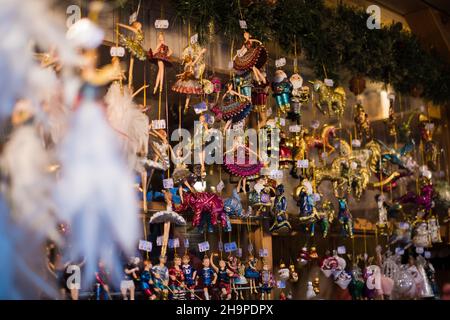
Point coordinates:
[[129, 122], [95, 193]]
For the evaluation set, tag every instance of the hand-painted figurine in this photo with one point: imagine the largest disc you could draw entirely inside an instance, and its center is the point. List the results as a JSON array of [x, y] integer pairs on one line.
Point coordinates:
[[267, 282], [260, 93], [305, 198], [233, 108], [246, 168], [362, 123], [233, 205], [285, 152], [190, 276], [303, 258], [324, 216], [260, 198], [282, 91], [300, 95], [382, 206], [224, 276], [241, 280], [293, 275], [345, 217], [161, 278], [161, 148], [252, 273], [330, 101], [217, 87], [310, 293], [182, 176], [356, 286], [134, 45], [188, 82], [127, 284], [207, 208], [283, 272], [102, 282], [176, 280], [430, 147], [233, 265], [251, 57], [147, 280], [423, 200], [244, 82], [207, 277], [281, 222], [161, 57]]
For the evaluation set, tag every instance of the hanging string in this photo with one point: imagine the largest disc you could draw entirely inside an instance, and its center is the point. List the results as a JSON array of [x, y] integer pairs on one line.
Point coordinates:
[[220, 241], [295, 54]]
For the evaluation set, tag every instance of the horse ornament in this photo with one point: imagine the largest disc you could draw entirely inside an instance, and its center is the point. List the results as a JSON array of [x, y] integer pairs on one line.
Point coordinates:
[[331, 101]]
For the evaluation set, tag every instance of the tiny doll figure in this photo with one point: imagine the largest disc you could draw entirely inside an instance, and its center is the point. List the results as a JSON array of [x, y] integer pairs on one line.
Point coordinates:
[[217, 87], [223, 277], [233, 266], [251, 57], [300, 95], [161, 148], [190, 275], [102, 282], [293, 275], [134, 45], [202, 134], [260, 93], [161, 57], [147, 280], [242, 162], [188, 82], [207, 277], [182, 176], [430, 147], [233, 108], [244, 82], [281, 218], [161, 278], [382, 223], [267, 282], [362, 123], [282, 91], [176, 280], [310, 294], [127, 284], [345, 217], [252, 273]]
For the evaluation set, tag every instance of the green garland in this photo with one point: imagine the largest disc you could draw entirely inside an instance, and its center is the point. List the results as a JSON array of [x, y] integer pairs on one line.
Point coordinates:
[[336, 38]]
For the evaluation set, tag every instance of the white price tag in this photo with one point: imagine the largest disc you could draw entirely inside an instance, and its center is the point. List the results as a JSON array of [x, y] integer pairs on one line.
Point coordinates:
[[281, 284], [281, 121], [295, 128], [174, 243], [276, 174], [280, 62], [399, 251], [133, 17], [203, 246], [220, 186], [161, 24], [304, 164], [230, 247], [329, 82], [427, 254], [250, 248], [239, 252], [243, 24], [220, 245], [117, 52], [194, 38], [316, 197], [419, 250], [269, 112], [168, 183], [158, 124], [159, 241], [341, 250], [145, 245], [263, 252], [200, 107], [186, 243]]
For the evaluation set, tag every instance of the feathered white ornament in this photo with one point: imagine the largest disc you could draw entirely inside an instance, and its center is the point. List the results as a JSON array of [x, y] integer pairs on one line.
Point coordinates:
[[130, 124], [95, 193]]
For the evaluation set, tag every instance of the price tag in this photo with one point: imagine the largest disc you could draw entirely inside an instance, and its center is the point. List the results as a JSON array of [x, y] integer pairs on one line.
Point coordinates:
[[250, 248], [280, 62], [276, 174], [316, 197], [419, 250], [220, 186], [230, 247], [295, 128], [269, 112], [159, 241], [161, 24], [427, 254], [186, 243], [145, 245], [168, 183], [194, 38], [158, 124], [281, 284], [117, 52], [243, 24], [399, 251], [356, 143], [429, 126], [329, 82], [203, 246], [220, 245], [200, 107], [133, 17], [174, 243], [341, 250], [239, 252], [263, 252], [304, 164]]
